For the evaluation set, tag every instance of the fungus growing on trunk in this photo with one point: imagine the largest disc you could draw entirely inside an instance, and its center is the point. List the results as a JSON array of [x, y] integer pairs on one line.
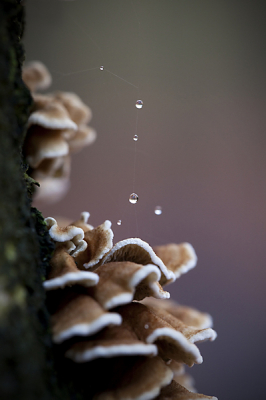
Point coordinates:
[[57, 127], [121, 323]]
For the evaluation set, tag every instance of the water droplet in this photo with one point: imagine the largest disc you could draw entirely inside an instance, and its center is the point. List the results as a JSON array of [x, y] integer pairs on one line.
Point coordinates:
[[146, 326], [133, 198], [135, 138], [168, 362], [139, 104], [158, 210], [101, 67], [119, 222]]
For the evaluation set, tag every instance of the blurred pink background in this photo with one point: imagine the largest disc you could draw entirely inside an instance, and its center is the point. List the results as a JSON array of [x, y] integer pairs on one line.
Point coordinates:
[[200, 70]]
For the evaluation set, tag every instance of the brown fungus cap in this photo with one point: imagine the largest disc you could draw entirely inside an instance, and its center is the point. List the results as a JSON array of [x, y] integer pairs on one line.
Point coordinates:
[[190, 316], [81, 315], [57, 127], [137, 251], [36, 76], [70, 233], [193, 334], [99, 241], [121, 282], [82, 222], [151, 328], [179, 258], [77, 110], [143, 381], [110, 342], [186, 381], [44, 144], [140, 347], [177, 368], [84, 136], [52, 189], [53, 177], [50, 114], [57, 168], [64, 272], [175, 391]]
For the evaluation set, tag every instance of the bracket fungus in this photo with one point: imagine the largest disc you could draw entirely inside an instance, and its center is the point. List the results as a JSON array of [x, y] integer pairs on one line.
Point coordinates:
[[37, 76], [116, 320], [57, 127]]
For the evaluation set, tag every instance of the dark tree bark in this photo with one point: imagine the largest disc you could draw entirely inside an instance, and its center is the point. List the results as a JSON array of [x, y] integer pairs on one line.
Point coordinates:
[[26, 356], [30, 367]]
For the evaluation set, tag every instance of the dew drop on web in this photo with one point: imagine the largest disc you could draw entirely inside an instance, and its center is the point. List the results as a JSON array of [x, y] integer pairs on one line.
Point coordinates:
[[158, 210], [139, 104], [133, 198], [135, 138], [101, 67], [119, 222]]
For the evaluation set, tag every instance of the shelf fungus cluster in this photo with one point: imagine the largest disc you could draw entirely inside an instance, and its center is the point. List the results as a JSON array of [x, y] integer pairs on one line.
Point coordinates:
[[112, 321], [57, 126]]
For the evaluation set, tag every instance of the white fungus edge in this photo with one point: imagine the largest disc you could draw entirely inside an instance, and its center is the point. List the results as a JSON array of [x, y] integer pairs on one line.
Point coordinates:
[[112, 351], [36, 118], [155, 259], [202, 336], [192, 262], [84, 217], [71, 233], [179, 338], [80, 246], [139, 276], [157, 293], [88, 329], [105, 226], [118, 300], [143, 273], [89, 278]]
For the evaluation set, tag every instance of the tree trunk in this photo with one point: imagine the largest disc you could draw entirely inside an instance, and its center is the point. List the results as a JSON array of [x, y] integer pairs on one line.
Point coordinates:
[[26, 357]]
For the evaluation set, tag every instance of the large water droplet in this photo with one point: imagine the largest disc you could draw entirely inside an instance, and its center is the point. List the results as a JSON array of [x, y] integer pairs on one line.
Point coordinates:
[[158, 210], [135, 138], [101, 67], [133, 198], [119, 222], [139, 104]]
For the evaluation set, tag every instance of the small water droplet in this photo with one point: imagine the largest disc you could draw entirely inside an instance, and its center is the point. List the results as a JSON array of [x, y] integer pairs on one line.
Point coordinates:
[[146, 326], [133, 198], [135, 138], [119, 222], [139, 104], [158, 210], [101, 67]]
